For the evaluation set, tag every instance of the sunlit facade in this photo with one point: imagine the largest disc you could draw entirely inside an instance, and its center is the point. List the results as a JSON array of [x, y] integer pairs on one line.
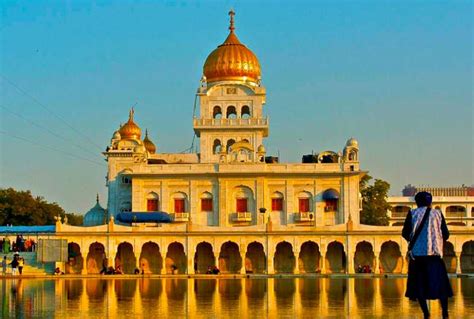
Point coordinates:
[[232, 205]]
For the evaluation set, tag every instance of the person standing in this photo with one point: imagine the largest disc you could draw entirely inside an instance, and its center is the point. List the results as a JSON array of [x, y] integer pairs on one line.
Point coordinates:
[[14, 265], [21, 263], [425, 229]]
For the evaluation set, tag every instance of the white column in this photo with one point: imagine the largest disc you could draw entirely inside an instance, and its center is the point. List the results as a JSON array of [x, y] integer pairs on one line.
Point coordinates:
[[458, 262], [377, 262]]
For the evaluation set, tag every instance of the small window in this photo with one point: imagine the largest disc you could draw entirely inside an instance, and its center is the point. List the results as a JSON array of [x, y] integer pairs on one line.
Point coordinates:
[[277, 204], [303, 205], [152, 205], [206, 204], [241, 205], [179, 205], [231, 112], [217, 112]]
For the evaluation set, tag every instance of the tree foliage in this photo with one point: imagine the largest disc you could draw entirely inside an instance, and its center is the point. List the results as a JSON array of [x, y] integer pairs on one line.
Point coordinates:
[[374, 201], [21, 208]]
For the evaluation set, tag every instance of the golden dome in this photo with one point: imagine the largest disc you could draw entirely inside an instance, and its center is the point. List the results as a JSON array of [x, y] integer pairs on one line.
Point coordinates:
[[130, 130], [232, 61], [150, 147]]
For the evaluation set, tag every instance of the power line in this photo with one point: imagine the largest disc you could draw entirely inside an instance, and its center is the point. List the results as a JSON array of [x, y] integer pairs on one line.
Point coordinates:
[[47, 130], [49, 110], [52, 148]]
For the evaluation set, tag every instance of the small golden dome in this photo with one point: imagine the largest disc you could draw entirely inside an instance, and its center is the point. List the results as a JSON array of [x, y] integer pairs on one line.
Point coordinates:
[[130, 130], [150, 147], [232, 61], [261, 149]]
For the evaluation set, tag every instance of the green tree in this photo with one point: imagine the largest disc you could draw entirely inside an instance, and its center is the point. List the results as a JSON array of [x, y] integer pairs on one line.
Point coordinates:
[[21, 208], [374, 201]]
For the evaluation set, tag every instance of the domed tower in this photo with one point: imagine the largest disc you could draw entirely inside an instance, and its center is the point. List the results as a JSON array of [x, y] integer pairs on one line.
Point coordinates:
[[231, 101], [130, 130], [149, 145], [97, 215]]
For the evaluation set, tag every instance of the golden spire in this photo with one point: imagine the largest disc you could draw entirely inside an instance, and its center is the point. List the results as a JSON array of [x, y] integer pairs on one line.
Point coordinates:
[[231, 14], [232, 61], [149, 145], [130, 130]]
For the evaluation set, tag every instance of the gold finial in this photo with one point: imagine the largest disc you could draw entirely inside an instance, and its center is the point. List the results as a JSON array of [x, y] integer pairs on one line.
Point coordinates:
[[231, 14], [146, 133], [130, 115], [97, 198]]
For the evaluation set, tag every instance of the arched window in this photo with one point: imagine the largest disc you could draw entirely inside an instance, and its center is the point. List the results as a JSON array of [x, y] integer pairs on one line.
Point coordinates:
[[400, 211], [179, 202], [231, 112], [304, 202], [241, 201], [152, 202], [217, 112], [216, 148], [229, 144], [245, 112], [245, 140], [206, 202], [331, 198], [353, 155], [277, 202], [455, 211]]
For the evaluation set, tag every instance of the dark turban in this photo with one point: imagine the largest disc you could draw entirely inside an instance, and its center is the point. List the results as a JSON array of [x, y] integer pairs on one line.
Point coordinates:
[[423, 199]]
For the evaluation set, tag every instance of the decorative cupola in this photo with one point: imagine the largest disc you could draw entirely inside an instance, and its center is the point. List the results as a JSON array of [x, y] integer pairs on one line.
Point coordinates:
[[232, 61], [97, 215], [351, 150], [149, 145], [130, 130]]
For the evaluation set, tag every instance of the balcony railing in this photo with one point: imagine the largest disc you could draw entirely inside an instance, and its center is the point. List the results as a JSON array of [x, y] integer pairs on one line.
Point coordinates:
[[231, 122], [181, 217], [304, 216], [243, 217]]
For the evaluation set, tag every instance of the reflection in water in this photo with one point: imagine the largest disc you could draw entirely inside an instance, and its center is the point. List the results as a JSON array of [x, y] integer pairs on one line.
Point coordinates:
[[219, 298], [125, 289], [364, 292]]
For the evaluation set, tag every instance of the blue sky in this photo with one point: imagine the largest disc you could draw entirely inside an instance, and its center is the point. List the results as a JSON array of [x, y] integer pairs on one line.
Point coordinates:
[[397, 75]]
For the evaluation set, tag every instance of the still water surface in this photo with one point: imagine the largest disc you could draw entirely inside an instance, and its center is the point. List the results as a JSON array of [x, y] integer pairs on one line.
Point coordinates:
[[222, 298]]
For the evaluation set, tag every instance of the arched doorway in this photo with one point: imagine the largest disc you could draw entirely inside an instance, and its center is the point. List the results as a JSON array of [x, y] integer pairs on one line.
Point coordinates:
[[150, 261], [255, 260], [467, 257], [391, 260], [364, 257], [309, 258], [203, 258], [284, 259], [335, 258], [96, 259], [176, 261], [230, 260], [75, 261], [449, 257], [125, 258]]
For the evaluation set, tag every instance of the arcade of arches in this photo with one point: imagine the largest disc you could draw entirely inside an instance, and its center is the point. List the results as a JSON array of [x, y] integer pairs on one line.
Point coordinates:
[[256, 257]]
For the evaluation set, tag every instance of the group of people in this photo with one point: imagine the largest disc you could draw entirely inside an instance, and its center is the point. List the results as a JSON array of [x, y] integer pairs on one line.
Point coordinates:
[[19, 245], [17, 265], [365, 269], [213, 270]]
